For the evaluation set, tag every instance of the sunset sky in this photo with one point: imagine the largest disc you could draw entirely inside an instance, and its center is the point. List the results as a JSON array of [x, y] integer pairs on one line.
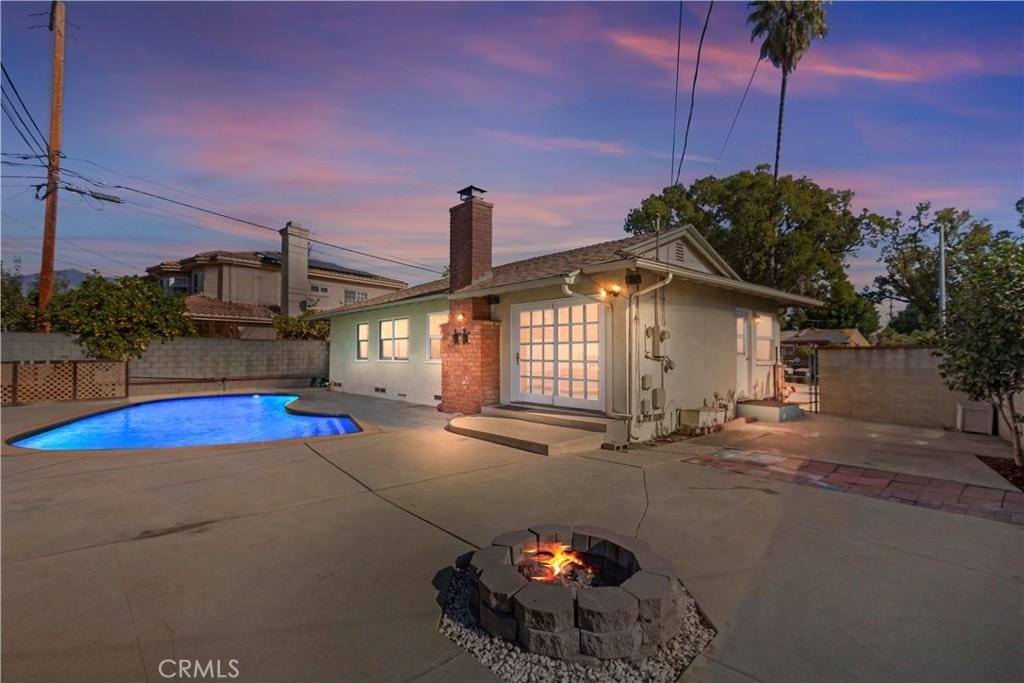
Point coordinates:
[[362, 120]]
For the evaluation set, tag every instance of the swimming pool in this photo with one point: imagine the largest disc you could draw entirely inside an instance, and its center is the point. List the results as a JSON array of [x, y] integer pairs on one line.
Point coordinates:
[[200, 421]]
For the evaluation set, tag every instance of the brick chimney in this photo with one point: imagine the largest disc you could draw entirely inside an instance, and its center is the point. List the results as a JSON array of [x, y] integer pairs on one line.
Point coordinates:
[[471, 341], [294, 268], [469, 242]]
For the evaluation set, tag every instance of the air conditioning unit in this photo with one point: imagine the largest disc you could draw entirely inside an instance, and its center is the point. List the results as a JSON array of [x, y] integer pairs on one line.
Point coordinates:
[[976, 417]]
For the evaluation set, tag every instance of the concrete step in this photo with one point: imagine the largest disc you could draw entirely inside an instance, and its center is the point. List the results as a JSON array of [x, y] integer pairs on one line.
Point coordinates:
[[527, 436], [614, 429]]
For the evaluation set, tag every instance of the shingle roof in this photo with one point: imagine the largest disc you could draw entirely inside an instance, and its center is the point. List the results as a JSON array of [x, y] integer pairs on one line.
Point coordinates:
[[536, 268], [200, 306], [552, 265]]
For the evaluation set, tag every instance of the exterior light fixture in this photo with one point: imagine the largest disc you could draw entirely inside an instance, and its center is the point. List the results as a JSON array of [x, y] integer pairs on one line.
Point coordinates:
[[603, 294], [465, 336], [615, 290], [455, 337], [460, 317]]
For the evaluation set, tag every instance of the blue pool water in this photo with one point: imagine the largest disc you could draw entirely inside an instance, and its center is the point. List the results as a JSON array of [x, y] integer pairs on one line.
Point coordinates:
[[204, 421]]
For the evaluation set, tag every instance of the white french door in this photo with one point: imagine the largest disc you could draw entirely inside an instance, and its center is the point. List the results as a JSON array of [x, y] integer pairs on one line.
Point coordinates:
[[744, 354], [558, 353]]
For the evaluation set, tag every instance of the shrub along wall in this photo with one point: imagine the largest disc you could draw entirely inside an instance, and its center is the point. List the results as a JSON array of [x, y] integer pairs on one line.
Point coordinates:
[[900, 385], [191, 364]]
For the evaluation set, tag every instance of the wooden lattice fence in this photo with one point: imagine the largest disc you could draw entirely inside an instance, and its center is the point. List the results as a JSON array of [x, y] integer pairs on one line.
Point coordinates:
[[77, 380]]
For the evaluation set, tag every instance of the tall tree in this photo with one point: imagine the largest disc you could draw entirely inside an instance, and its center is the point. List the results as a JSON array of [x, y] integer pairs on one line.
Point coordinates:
[[738, 215], [788, 27], [983, 340], [909, 253]]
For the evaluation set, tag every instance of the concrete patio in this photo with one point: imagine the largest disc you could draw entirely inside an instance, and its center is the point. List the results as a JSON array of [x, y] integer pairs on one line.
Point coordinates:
[[322, 560]]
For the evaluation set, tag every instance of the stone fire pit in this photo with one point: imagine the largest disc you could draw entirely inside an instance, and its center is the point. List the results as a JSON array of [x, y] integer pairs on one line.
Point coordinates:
[[616, 599]]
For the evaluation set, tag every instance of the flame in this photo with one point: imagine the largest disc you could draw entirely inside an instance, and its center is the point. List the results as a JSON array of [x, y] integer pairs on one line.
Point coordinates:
[[555, 559]]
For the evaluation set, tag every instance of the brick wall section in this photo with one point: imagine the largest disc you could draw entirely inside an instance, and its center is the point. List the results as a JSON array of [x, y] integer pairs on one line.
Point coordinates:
[[29, 346], [470, 373], [191, 358], [469, 241], [890, 385]]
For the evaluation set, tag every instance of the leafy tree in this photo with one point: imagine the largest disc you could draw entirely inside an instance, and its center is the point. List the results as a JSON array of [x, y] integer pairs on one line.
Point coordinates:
[[788, 27], [17, 311], [983, 339], [118, 319], [301, 327], [738, 216], [845, 308], [890, 337], [909, 252]]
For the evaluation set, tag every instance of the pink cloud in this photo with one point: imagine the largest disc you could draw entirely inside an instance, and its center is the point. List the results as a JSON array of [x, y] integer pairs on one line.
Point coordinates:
[[509, 55], [887, 189], [559, 144]]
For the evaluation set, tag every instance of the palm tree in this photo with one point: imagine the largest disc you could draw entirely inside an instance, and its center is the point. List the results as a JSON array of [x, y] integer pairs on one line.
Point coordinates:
[[788, 28]]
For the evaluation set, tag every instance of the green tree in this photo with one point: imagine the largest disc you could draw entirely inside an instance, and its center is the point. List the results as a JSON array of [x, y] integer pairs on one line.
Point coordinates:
[[118, 319], [788, 27], [738, 216], [909, 252], [983, 339], [301, 327], [17, 310], [845, 308]]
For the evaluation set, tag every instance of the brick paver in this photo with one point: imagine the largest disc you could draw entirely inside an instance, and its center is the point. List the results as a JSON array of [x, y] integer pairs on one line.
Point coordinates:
[[934, 494]]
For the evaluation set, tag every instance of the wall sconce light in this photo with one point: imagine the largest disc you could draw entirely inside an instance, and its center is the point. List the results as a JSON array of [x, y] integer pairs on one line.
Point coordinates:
[[455, 337], [460, 336], [460, 317], [615, 290]]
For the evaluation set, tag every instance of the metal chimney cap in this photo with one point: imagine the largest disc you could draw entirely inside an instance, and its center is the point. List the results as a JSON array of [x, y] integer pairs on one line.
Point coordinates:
[[470, 191]]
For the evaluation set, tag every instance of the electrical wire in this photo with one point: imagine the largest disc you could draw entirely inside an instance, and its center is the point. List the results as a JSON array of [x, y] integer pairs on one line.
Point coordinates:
[[14, 124], [675, 101], [737, 115], [25, 107], [74, 244], [693, 90]]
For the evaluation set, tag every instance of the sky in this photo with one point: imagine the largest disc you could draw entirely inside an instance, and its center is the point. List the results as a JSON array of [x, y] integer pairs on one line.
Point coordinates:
[[362, 120]]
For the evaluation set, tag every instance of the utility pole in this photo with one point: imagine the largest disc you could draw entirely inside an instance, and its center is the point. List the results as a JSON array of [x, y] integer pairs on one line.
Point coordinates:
[[942, 274], [57, 26]]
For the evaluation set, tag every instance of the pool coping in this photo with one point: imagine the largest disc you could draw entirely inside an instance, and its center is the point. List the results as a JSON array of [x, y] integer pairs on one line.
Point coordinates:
[[365, 427]]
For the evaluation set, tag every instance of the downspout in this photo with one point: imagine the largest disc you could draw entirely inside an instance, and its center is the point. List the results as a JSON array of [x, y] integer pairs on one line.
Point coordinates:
[[634, 301]]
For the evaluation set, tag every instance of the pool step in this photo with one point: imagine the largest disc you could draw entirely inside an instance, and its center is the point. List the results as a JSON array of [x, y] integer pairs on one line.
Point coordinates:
[[535, 437]]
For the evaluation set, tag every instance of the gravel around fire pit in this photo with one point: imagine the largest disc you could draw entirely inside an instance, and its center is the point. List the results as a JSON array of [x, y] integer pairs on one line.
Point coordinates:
[[511, 663]]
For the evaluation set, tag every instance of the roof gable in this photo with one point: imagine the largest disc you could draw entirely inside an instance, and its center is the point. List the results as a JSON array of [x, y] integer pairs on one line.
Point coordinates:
[[685, 247]]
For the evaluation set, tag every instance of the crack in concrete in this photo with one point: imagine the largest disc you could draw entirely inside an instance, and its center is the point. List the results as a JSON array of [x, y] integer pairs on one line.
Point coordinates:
[[391, 502], [647, 503]]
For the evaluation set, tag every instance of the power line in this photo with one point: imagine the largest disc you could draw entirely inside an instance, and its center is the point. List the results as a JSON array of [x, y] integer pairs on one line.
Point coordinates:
[[75, 244], [24, 106], [693, 89], [69, 260], [737, 115], [675, 101], [14, 124]]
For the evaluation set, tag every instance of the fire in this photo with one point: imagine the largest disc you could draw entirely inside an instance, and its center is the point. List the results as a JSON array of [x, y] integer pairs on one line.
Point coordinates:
[[552, 561]]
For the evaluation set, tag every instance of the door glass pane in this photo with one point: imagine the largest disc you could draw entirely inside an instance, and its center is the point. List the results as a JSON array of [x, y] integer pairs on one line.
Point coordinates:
[[577, 351], [577, 314], [593, 351], [536, 334], [563, 315], [524, 385], [578, 371], [549, 369], [577, 333], [524, 335], [592, 333], [593, 371], [524, 318], [549, 316], [592, 313], [563, 370], [549, 387], [537, 317], [578, 389], [549, 334], [563, 352]]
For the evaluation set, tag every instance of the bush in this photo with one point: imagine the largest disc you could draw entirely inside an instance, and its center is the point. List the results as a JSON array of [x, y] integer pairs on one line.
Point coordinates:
[[301, 327], [116, 320]]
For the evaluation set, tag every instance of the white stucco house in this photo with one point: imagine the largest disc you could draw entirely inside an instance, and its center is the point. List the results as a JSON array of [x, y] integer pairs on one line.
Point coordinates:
[[636, 329]]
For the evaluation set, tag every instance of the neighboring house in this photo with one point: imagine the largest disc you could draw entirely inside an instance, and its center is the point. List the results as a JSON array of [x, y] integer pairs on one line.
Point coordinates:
[[815, 337], [238, 293], [635, 329]]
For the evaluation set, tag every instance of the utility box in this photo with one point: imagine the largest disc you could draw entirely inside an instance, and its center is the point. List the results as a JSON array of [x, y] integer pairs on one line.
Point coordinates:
[[976, 417], [703, 419]]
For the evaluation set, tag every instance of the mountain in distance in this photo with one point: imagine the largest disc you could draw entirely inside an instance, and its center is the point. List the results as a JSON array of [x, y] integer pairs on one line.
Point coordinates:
[[71, 277]]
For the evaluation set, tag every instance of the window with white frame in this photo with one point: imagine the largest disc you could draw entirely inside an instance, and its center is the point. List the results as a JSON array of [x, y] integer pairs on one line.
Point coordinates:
[[318, 289], [764, 338], [363, 341], [354, 296], [741, 335], [434, 322], [394, 339]]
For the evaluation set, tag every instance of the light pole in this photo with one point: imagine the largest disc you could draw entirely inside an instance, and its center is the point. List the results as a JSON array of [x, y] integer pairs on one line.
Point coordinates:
[[942, 274]]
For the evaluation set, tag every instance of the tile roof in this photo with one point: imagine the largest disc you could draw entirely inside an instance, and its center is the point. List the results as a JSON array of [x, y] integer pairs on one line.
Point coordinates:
[[274, 257], [536, 268], [200, 306]]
